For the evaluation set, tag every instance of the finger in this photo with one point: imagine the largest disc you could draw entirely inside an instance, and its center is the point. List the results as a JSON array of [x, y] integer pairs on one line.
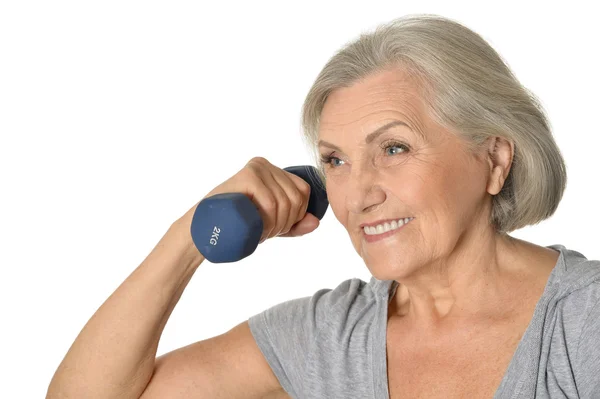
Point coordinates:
[[263, 197], [284, 204], [297, 192], [308, 224]]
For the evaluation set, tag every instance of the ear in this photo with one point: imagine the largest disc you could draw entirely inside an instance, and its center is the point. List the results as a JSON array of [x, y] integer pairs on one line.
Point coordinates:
[[500, 157]]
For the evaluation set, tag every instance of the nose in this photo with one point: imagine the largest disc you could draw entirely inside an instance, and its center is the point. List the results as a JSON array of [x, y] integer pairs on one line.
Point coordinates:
[[363, 193]]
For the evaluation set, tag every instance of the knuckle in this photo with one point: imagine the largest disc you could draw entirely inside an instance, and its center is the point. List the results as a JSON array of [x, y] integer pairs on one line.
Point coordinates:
[[258, 160], [282, 201], [297, 199], [305, 188], [286, 203], [270, 204]]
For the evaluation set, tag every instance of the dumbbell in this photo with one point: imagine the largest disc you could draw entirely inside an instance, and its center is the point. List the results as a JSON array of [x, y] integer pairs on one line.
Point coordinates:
[[227, 227]]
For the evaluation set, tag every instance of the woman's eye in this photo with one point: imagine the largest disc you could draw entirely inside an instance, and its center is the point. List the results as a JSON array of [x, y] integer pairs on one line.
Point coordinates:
[[395, 145], [327, 159]]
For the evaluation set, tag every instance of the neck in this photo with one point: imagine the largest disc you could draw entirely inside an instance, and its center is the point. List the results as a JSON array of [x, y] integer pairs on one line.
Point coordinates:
[[477, 279]]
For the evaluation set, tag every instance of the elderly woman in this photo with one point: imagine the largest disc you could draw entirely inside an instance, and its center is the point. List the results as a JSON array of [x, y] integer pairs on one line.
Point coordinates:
[[431, 152]]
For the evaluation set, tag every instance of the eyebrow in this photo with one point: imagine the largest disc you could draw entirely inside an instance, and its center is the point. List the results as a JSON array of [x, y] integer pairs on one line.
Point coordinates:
[[372, 136]]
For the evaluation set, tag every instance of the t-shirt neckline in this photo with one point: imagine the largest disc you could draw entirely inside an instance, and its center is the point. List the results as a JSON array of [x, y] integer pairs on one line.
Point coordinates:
[[378, 352]]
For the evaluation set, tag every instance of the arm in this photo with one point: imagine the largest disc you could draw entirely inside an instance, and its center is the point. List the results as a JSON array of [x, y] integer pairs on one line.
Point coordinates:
[[114, 354]]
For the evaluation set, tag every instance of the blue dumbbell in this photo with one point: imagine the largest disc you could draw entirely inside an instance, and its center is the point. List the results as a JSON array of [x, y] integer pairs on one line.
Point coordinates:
[[227, 227]]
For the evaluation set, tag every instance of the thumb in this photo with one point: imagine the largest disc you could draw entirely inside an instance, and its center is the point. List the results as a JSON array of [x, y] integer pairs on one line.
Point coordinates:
[[309, 223]]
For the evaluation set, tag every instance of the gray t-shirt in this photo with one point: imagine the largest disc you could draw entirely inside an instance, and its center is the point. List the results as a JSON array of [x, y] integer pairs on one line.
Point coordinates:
[[333, 344]]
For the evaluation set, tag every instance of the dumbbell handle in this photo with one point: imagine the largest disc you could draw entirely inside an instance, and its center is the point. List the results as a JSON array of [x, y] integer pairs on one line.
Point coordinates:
[[227, 227]]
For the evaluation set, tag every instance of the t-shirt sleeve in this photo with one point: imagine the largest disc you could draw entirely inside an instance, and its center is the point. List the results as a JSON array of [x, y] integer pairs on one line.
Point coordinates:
[[284, 332], [587, 359]]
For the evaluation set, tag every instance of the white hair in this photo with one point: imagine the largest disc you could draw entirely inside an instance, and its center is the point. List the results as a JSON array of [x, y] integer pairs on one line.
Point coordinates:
[[468, 89]]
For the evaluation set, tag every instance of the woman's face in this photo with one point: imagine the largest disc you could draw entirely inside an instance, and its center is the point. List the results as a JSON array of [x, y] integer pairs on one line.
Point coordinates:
[[419, 170]]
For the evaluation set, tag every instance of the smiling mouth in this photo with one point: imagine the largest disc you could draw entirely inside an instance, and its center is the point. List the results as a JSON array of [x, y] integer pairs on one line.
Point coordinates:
[[372, 235], [385, 227]]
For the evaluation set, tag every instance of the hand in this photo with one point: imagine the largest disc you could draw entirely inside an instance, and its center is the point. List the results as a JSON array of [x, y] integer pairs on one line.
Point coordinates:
[[281, 198]]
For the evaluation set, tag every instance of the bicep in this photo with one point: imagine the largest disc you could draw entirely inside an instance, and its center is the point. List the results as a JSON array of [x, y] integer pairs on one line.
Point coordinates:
[[230, 365]]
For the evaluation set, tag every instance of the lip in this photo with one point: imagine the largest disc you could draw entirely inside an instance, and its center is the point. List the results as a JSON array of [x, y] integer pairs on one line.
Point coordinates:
[[378, 237], [382, 221]]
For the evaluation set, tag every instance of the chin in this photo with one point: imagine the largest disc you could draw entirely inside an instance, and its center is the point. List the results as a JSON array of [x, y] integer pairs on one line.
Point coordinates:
[[383, 274], [385, 267]]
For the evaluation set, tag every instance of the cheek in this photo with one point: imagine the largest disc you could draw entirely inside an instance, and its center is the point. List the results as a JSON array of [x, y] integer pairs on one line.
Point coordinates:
[[415, 189], [462, 188], [452, 198], [428, 194]]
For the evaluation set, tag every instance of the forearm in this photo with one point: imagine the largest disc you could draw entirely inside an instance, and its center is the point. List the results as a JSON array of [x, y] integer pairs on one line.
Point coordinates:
[[113, 356]]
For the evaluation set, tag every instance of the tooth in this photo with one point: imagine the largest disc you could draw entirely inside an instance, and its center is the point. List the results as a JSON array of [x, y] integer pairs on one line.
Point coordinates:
[[394, 225]]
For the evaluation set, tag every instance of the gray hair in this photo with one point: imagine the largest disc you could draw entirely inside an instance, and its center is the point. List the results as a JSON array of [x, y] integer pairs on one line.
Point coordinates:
[[467, 88]]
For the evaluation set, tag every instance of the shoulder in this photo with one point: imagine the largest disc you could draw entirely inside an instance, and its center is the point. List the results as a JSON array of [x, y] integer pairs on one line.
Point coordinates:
[[576, 290], [565, 330], [326, 305], [577, 286], [287, 332], [577, 301]]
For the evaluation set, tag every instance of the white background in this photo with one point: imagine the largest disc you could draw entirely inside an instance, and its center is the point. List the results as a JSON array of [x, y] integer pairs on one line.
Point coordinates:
[[117, 116]]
